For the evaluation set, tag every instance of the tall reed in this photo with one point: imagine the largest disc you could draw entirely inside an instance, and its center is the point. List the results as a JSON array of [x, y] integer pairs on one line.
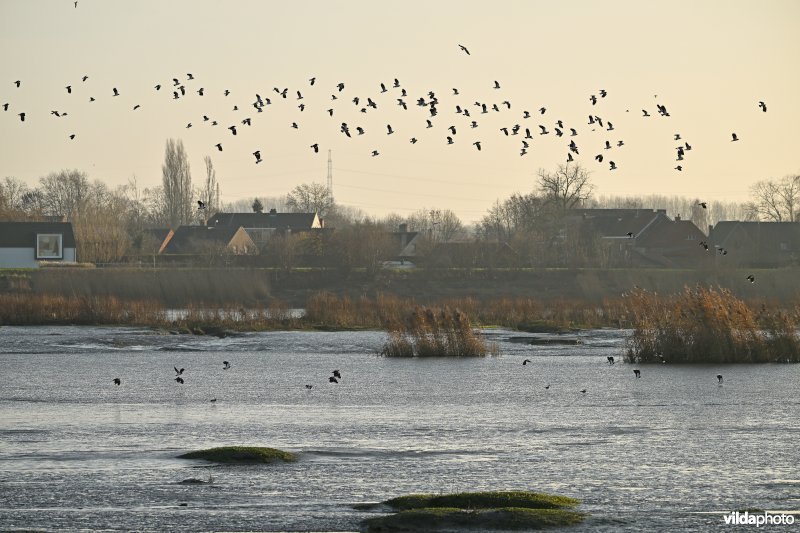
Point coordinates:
[[433, 332], [706, 325]]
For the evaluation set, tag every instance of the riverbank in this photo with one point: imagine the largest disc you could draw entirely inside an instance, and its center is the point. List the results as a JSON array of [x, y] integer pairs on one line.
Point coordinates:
[[180, 288]]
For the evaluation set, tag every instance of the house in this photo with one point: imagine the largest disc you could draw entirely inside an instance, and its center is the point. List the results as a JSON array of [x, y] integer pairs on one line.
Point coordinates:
[[25, 244], [153, 240], [262, 226], [405, 243], [645, 237], [758, 244], [209, 240]]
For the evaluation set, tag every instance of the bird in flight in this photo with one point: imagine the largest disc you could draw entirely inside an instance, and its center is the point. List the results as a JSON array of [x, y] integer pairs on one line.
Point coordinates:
[[612, 165], [763, 106], [525, 362], [375, 153], [178, 372], [226, 365], [719, 378], [257, 154], [116, 92], [219, 146], [315, 146], [18, 83], [69, 89], [637, 373], [751, 278], [337, 374], [333, 380], [21, 117], [179, 380], [117, 381], [477, 145], [734, 137], [464, 48], [201, 205], [704, 205]]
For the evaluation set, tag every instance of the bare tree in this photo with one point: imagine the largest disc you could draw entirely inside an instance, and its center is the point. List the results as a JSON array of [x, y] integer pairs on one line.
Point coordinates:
[[210, 192], [776, 200], [12, 192], [437, 225], [567, 188], [65, 193], [310, 198], [177, 182]]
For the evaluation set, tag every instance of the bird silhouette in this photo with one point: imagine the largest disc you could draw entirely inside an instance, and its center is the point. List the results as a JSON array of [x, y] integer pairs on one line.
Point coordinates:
[[496, 84], [337, 374], [375, 153], [18, 83], [233, 129], [315, 147], [257, 155], [117, 381], [719, 378], [477, 145], [116, 92], [226, 365], [464, 48], [413, 140], [612, 165], [583, 391], [610, 359], [219, 146], [309, 387], [179, 380], [645, 113], [763, 106], [178, 372], [201, 205], [69, 89], [389, 129], [751, 278], [72, 136], [704, 205], [637, 373], [333, 380], [734, 137], [630, 234], [547, 386], [449, 140], [679, 168], [525, 362]]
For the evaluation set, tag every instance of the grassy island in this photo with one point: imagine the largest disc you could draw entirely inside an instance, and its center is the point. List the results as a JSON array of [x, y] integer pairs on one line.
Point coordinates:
[[241, 455], [516, 510]]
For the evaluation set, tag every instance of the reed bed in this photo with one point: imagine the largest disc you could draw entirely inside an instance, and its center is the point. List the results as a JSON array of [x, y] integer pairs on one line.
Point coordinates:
[[707, 325], [433, 332]]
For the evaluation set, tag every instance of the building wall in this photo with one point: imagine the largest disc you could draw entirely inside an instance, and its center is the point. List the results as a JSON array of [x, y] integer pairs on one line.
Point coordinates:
[[26, 257]]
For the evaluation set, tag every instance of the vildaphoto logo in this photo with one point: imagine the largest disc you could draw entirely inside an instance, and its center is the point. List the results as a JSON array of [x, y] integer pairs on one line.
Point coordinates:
[[758, 519]]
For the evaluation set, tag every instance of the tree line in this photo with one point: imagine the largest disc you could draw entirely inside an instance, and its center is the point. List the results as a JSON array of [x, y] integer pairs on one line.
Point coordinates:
[[110, 224]]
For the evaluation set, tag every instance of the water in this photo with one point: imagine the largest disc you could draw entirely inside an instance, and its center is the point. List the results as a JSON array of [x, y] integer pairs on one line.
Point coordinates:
[[671, 451]]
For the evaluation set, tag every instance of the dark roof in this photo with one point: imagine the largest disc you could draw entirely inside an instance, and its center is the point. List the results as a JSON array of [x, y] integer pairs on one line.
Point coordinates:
[[263, 220], [666, 233], [766, 234], [157, 233], [618, 222], [186, 238], [23, 234]]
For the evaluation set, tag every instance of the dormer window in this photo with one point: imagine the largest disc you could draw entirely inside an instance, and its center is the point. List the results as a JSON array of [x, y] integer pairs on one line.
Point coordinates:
[[48, 246]]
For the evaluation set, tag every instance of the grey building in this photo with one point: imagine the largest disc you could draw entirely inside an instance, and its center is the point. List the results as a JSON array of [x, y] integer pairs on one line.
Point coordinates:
[[26, 244]]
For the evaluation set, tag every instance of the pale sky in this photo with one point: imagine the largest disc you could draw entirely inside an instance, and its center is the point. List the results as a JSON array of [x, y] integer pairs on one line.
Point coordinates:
[[708, 62]]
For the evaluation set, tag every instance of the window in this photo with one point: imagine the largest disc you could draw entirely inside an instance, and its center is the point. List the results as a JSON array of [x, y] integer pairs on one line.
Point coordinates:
[[48, 246]]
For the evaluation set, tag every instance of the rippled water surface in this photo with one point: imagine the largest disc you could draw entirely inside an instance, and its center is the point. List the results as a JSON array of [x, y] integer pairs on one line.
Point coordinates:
[[669, 451]]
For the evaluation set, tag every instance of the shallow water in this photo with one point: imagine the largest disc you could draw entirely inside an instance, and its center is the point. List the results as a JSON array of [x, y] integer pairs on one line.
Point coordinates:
[[671, 451]]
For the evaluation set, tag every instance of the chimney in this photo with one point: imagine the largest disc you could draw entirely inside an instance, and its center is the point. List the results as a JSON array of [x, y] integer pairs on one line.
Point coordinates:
[[273, 211], [677, 218]]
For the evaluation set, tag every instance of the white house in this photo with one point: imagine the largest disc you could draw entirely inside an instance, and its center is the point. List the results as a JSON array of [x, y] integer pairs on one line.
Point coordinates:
[[25, 244]]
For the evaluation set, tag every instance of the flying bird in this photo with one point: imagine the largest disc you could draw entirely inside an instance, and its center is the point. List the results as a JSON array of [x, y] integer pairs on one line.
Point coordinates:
[[226, 365], [734, 137], [496, 84], [315, 147], [637, 373], [610, 359], [464, 48], [704, 205], [763, 106], [337, 374], [117, 381], [333, 380], [201, 205], [257, 154], [477, 145], [612, 165], [219, 146], [179, 380], [69, 89], [178, 372], [116, 92], [525, 362], [21, 117], [17, 83], [751, 278], [719, 378]]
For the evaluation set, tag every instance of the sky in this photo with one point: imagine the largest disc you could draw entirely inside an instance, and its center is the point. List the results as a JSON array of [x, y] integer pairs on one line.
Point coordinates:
[[708, 62]]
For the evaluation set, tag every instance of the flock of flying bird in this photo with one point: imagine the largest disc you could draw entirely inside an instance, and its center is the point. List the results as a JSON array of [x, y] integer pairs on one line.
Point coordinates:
[[226, 365], [636, 372], [397, 95]]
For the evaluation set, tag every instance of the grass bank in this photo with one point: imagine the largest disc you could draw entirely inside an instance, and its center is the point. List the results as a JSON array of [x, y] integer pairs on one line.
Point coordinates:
[[517, 510], [241, 455]]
